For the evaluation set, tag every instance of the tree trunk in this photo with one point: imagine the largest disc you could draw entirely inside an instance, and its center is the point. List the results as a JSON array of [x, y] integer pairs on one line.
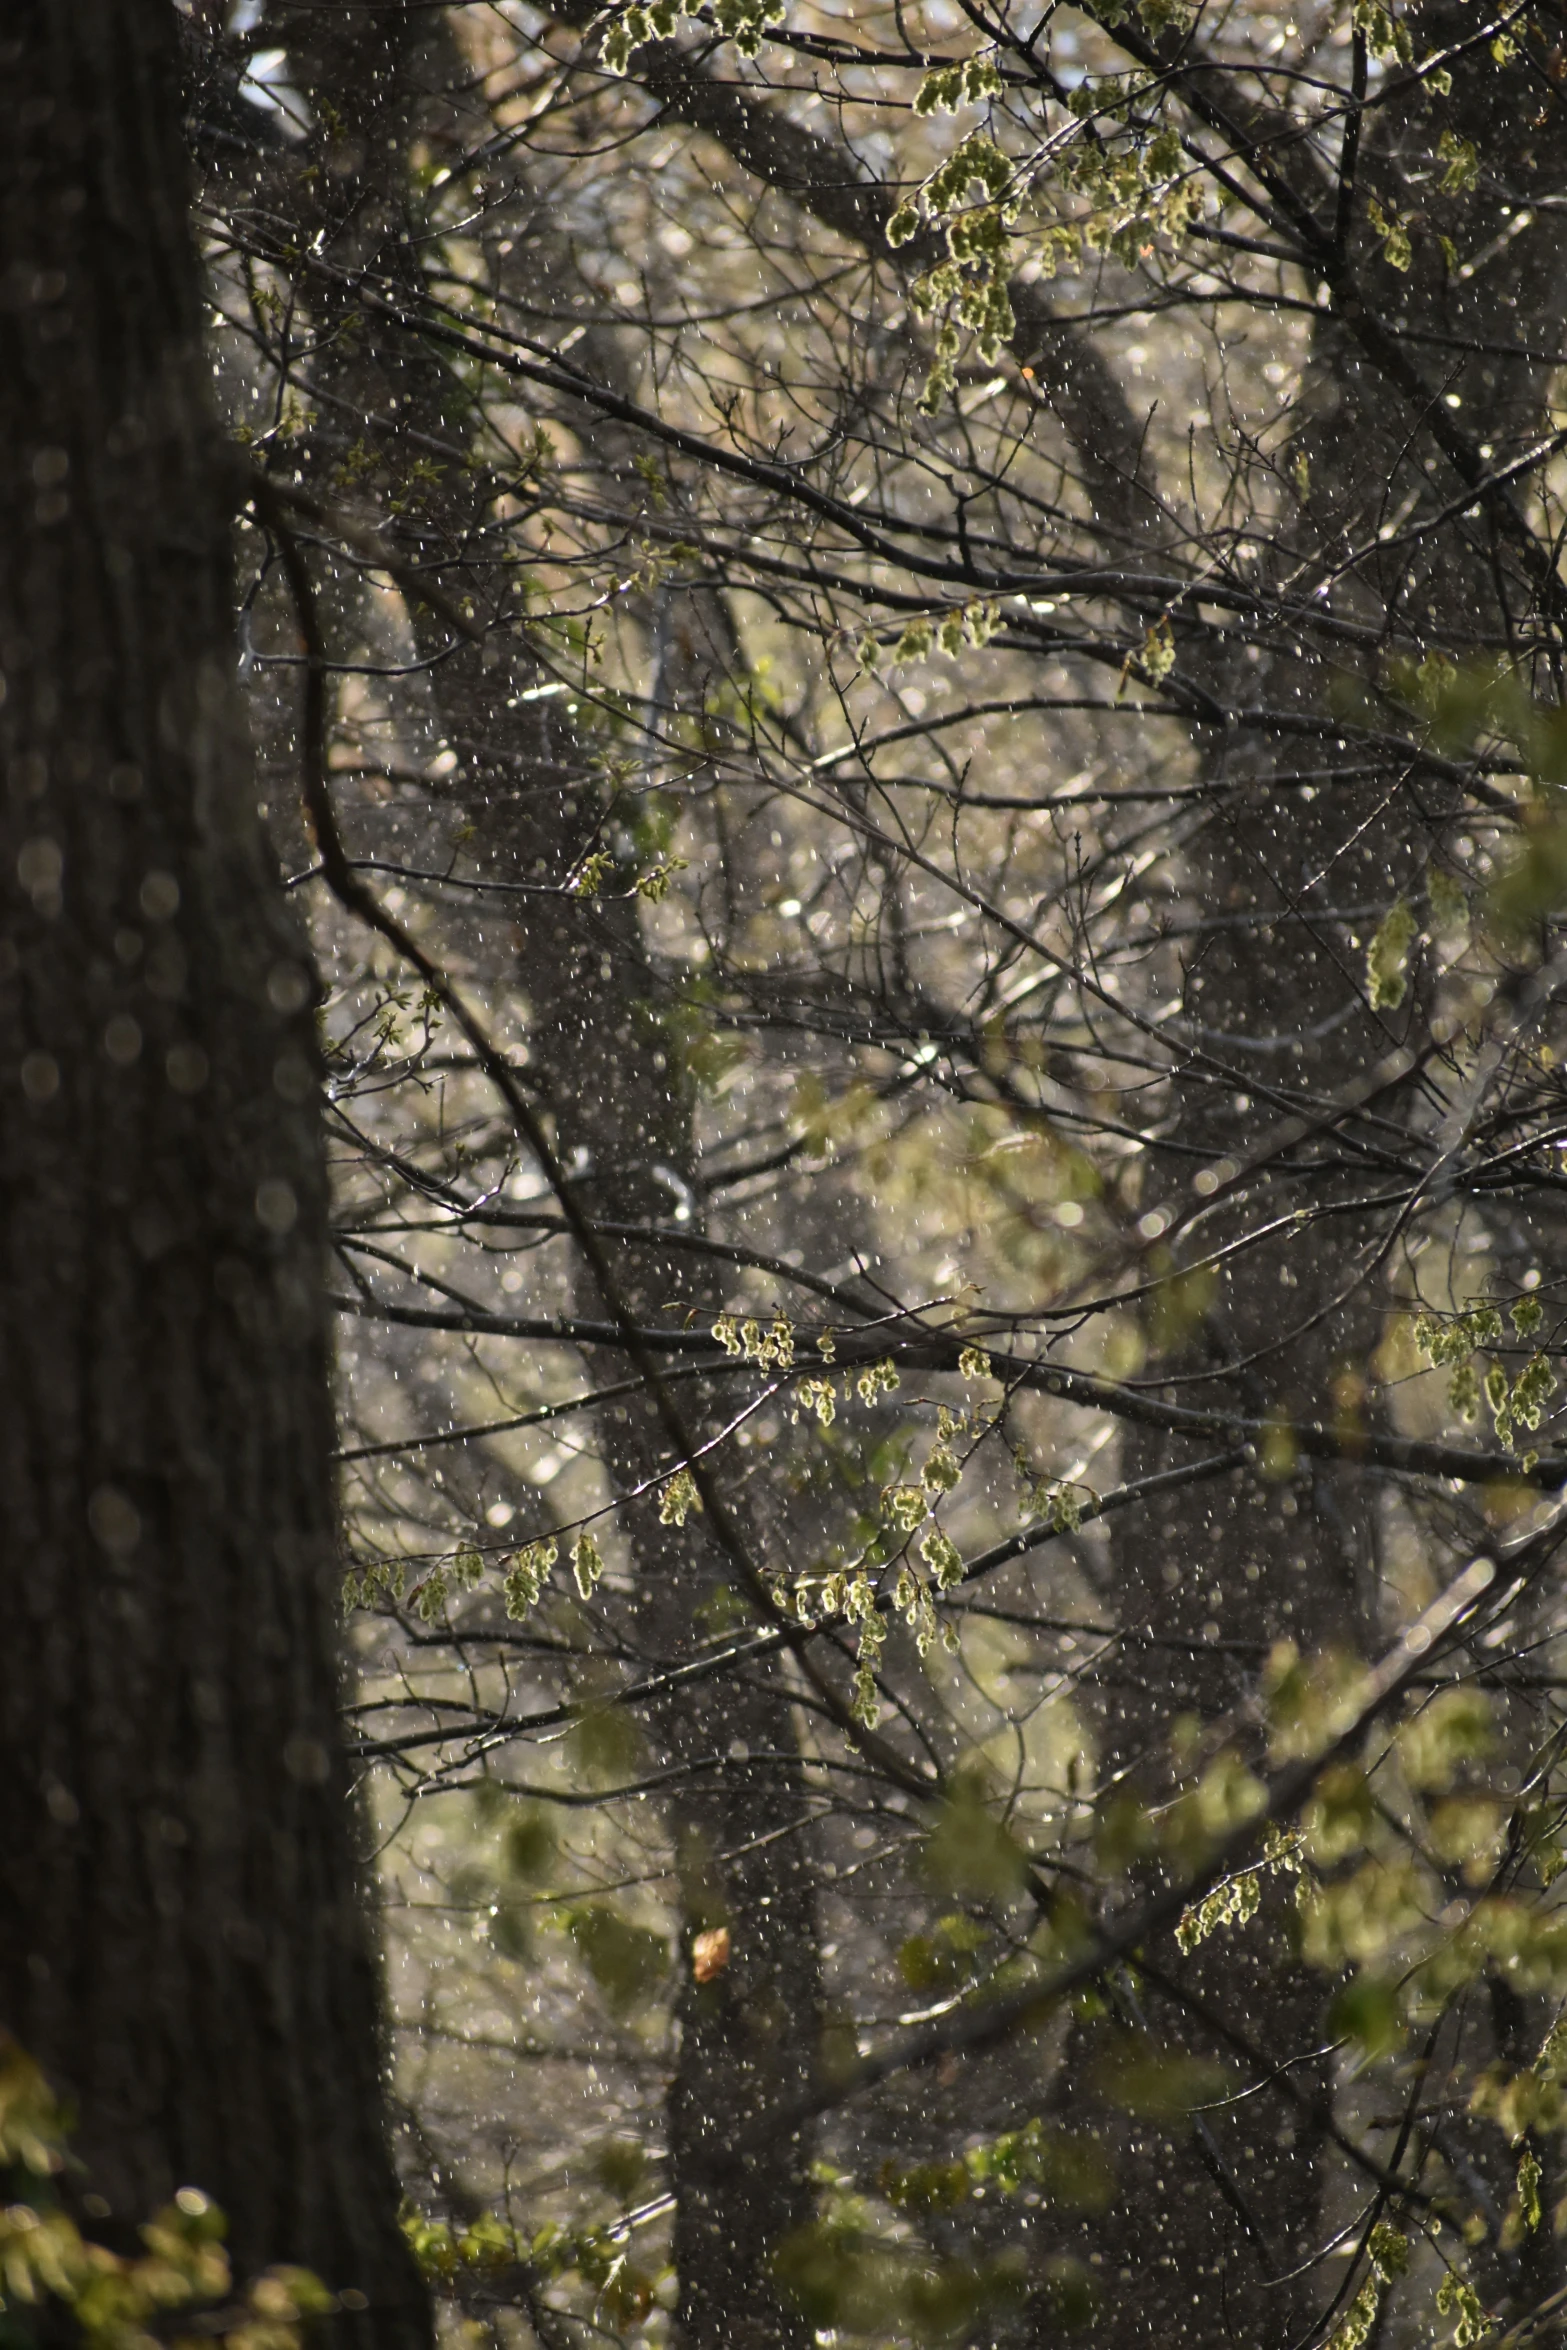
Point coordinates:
[[1209, 2225], [747, 2040], [182, 1943]]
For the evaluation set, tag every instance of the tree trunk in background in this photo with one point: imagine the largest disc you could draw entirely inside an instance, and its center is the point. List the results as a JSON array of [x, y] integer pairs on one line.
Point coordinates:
[[621, 1110], [748, 2036], [1293, 1556], [182, 1944]]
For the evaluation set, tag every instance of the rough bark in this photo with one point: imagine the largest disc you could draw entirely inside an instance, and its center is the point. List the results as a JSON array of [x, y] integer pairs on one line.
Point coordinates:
[[182, 1939], [621, 1113], [1209, 2221], [748, 2036]]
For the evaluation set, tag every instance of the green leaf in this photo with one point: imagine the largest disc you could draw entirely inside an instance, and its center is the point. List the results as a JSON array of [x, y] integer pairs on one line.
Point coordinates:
[[1387, 958], [605, 1746], [1153, 2083], [969, 1853], [627, 1962], [620, 2166], [1367, 2012], [529, 1845], [511, 1931]]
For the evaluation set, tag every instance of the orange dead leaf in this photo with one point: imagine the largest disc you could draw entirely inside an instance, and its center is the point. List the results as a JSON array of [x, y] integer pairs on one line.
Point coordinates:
[[710, 1953]]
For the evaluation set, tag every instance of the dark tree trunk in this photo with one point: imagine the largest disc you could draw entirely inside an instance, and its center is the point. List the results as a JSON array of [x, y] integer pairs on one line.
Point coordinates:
[[748, 2037], [182, 1944], [1209, 2228]]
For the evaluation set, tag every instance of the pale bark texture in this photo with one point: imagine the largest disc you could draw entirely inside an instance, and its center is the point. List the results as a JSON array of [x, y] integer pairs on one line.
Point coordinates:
[[182, 1941]]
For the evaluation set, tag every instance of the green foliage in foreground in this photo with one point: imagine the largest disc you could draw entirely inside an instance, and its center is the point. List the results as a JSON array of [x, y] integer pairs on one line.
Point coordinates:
[[178, 2293], [1399, 1878]]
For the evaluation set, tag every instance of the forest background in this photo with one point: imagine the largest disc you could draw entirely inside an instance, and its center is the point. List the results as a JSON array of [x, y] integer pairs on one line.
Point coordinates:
[[907, 667]]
